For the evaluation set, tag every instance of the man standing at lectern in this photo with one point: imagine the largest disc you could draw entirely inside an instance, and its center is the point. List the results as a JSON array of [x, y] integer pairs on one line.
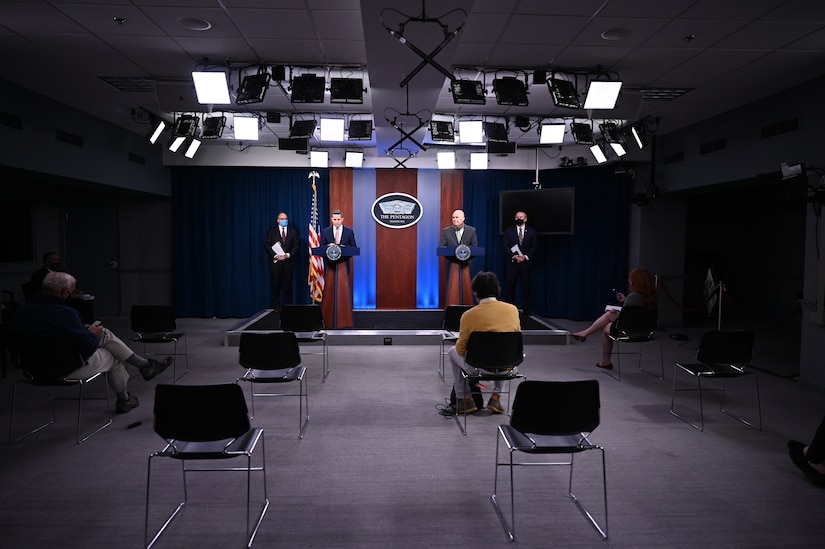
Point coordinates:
[[520, 246], [281, 259], [458, 232], [336, 233]]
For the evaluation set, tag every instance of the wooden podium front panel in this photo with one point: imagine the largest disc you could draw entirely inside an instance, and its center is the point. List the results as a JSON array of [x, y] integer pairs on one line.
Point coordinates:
[[452, 198], [395, 253]]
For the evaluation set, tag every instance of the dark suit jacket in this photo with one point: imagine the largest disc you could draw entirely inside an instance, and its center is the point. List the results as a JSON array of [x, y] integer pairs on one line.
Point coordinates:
[[293, 242], [347, 239], [468, 237], [529, 244]]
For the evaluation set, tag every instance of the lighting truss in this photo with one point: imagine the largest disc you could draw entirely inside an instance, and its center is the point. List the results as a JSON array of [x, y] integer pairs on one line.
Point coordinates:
[[510, 90], [468, 92]]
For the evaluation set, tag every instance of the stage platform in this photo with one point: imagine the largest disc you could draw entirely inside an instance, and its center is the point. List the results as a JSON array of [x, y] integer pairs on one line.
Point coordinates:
[[407, 327]]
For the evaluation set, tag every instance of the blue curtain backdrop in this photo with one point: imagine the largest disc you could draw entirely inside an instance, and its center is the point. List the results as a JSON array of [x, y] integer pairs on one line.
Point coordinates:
[[221, 216], [573, 275]]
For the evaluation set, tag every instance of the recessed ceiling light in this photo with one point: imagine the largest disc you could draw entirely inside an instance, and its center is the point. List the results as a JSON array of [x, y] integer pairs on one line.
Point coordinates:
[[193, 23], [616, 34]]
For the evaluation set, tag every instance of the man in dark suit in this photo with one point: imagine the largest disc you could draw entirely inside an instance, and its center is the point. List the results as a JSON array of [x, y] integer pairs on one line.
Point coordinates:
[[282, 259], [51, 264], [520, 245], [337, 302]]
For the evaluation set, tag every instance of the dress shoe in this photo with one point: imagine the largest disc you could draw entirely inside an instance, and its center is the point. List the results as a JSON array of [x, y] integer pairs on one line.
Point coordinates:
[[608, 366], [154, 368], [580, 339], [124, 405]]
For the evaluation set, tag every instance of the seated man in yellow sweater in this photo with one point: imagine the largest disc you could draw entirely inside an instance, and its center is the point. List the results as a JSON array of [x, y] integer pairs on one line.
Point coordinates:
[[490, 315]]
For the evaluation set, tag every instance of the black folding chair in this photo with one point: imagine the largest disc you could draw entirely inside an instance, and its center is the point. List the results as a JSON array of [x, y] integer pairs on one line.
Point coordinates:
[[202, 423], [550, 417]]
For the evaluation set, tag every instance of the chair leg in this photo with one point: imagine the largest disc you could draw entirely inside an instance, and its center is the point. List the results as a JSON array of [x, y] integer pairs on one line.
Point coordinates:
[[303, 403], [701, 426], [36, 429], [577, 501], [511, 535], [148, 544], [758, 407], [80, 409], [249, 469]]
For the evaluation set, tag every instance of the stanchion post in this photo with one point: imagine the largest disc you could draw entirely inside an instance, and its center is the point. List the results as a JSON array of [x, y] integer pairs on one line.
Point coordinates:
[[719, 300]]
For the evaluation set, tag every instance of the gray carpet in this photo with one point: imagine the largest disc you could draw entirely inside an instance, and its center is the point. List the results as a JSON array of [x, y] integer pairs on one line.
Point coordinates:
[[379, 467]]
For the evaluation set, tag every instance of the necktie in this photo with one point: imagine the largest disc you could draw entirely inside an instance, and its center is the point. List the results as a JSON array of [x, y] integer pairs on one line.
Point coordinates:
[[283, 234], [458, 234], [337, 235], [520, 235]]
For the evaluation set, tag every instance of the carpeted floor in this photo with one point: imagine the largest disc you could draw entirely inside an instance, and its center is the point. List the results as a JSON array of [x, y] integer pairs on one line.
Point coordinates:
[[380, 467]]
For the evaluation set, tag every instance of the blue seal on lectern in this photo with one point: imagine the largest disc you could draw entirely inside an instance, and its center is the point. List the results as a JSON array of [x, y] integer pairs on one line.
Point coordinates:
[[462, 252], [333, 252]]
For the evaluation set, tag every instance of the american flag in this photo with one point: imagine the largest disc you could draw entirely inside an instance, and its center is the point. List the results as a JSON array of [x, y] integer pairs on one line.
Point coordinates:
[[316, 263]]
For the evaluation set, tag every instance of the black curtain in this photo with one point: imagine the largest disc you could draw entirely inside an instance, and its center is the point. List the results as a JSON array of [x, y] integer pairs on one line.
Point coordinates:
[[574, 274], [221, 216]]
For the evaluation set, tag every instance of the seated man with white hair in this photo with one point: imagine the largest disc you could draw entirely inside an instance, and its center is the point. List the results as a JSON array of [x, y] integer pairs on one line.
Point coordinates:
[[102, 351]]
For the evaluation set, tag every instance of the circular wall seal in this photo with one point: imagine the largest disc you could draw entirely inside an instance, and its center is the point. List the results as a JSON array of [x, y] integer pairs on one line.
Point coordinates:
[[397, 210]]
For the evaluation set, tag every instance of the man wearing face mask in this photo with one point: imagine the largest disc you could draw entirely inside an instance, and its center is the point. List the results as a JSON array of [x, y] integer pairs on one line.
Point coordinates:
[[102, 351], [51, 264], [520, 245], [282, 244]]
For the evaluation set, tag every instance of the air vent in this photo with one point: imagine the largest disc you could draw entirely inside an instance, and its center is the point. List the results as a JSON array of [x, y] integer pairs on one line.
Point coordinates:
[[131, 84], [713, 146], [785, 126], [674, 158], [11, 120], [137, 159], [69, 138], [663, 94]]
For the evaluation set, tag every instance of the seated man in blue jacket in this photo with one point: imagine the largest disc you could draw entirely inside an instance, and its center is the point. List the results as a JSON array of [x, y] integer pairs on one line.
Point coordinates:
[[102, 351]]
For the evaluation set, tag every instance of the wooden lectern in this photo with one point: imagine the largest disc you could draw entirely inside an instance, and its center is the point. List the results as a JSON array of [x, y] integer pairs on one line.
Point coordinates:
[[336, 306], [458, 289]]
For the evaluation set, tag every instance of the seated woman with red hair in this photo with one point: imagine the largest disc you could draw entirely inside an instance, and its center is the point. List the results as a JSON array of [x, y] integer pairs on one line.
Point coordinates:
[[642, 293]]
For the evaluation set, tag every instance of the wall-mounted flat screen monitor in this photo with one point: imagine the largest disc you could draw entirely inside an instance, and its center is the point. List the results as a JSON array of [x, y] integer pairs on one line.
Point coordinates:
[[549, 211]]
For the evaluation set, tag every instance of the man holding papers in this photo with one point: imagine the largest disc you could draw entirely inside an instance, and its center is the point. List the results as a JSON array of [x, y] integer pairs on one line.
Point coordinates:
[[520, 245], [282, 244]]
